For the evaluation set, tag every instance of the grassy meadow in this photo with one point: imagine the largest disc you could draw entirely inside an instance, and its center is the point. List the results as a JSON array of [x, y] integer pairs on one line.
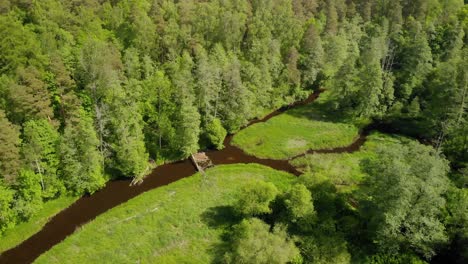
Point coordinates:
[[297, 130], [179, 223], [343, 169]]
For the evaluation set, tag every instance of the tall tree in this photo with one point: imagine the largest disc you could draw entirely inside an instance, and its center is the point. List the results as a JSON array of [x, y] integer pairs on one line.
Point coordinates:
[[235, 105], [405, 191], [332, 18], [414, 59], [188, 118], [157, 110], [127, 139], [312, 56], [39, 149], [29, 98], [208, 82], [28, 198], [81, 162], [9, 149], [7, 216], [19, 45]]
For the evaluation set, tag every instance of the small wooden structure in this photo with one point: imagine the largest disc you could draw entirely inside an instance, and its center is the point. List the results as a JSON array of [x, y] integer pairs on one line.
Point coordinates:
[[201, 161]]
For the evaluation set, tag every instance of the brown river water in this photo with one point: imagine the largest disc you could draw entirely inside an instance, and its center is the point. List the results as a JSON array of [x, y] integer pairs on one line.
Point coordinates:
[[117, 192]]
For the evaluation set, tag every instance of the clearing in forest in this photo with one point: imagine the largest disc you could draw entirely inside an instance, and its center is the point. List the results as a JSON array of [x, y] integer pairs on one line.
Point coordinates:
[[297, 130]]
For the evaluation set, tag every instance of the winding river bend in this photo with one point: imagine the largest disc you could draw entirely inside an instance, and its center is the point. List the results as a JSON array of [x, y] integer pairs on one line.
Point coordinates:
[[117, 192]]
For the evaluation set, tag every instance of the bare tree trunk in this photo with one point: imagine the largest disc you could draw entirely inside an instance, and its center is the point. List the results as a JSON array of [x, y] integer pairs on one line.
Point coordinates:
[[216, 105], [39, 170], [441, 136], [159, 118], [462, 105], [101, 129]]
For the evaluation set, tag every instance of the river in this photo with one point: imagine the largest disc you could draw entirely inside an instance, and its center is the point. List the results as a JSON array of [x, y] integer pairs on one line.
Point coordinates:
[[119, 191]]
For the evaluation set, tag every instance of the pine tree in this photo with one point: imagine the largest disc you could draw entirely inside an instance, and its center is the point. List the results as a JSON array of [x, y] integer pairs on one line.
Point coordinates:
[[81, 162], [29, 98], [415, 60], [188, 118], [9, 149], [331, 26], [19, 45], [127, 139], [235, 111], [312, 56]]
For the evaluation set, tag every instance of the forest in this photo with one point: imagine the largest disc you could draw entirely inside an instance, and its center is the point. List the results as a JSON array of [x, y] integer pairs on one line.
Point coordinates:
[[97, 90]]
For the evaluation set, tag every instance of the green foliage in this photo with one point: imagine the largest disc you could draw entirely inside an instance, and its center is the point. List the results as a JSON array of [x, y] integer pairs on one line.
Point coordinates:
[[324, 248], [415, 58], [394, 259], [19, 45], [8, 216], [157, 79], [252, 242], [40, 152], [128, 145], [81, 162], [312, 56], [456, 221], [235, 110], [188, 117], [255, 198], [9, 149], [298, 202], [216, 133], [22, 231], [29, 98], [405, 198], [29, 194]]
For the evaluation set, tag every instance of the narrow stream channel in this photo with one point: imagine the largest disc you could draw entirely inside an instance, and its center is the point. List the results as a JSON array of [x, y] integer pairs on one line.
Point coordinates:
[[117, 192]]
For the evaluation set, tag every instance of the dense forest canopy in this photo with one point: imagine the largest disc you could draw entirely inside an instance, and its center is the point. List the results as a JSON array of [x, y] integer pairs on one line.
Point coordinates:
[[94, 89]]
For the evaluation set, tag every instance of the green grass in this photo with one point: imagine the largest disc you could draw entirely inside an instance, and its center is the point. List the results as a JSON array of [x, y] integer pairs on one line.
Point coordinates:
[[178, 223], [23, 231], [344, 169], [298, 130]]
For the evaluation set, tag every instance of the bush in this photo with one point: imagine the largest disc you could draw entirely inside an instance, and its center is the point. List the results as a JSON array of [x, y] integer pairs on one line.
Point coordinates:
[[255, 198], [216, 133], [254, 243]]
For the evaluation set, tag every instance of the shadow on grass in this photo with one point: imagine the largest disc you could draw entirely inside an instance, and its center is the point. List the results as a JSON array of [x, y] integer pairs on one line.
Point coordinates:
[[221, 217], [322, 111]]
